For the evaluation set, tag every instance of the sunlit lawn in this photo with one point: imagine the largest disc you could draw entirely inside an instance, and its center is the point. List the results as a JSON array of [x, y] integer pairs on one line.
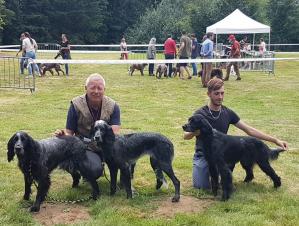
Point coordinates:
[[267, 102]]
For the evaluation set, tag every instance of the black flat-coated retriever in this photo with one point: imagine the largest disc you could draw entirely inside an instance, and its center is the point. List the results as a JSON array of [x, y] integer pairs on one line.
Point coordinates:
[[223, 151], [38, 158], [121, 151]]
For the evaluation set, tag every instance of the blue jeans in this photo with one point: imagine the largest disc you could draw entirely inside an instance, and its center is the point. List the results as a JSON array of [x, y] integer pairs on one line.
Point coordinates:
[[200, 175], [33, 67], [194, 67], [66, 56], [22, 61]]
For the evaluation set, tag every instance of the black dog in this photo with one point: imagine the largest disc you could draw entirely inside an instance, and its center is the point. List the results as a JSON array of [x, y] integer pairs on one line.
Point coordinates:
[[48, 67], [216, 72], [37, 159], [223, 151], [120, 152]]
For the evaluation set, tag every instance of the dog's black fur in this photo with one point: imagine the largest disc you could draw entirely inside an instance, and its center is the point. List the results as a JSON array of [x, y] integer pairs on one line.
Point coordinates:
[[49, 67], [223, 151], [121, 151], [139, 67], [216, 72], [37, 159]]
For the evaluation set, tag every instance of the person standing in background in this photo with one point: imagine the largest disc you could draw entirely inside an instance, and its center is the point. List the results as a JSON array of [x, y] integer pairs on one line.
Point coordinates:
[[184, 53], [29, 48], [123, 49], [22, 59], [194, 53], [234, 53], [65, 51], [262, 47], [151, 55], [169, 52], [207, 53]]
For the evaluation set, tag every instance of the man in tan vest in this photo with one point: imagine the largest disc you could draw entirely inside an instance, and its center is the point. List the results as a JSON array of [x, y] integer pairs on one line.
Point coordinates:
[[90, 107]]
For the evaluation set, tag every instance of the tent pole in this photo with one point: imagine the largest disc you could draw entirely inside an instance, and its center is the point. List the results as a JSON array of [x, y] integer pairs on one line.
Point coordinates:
[[269, 43], [253, 41], [216, 43]]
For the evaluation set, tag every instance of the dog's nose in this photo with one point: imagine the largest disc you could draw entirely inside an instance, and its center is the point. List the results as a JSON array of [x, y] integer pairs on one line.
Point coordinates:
[[98, 138], [18, 149]]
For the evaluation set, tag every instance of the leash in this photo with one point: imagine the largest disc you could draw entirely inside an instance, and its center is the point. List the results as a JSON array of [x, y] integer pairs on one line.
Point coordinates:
[[55, 200], [52, 199], [105, 175]]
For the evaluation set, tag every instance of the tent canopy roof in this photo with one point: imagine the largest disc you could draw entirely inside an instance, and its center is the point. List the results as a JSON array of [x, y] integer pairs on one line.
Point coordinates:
[[238, 23]]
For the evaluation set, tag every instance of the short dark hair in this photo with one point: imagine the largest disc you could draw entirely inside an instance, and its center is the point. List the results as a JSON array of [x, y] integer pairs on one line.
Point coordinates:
[[215, 84]]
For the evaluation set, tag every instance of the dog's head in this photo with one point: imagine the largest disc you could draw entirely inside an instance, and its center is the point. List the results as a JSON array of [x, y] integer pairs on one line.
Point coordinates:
[[18, 144], [198, 122], [102, 132]]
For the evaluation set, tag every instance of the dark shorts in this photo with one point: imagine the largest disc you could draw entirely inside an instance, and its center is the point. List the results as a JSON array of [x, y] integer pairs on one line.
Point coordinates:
[[183, 64]]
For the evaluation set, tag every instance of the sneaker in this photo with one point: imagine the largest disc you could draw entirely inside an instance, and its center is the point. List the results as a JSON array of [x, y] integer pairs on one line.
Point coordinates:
[[239, 78], [189, 77]]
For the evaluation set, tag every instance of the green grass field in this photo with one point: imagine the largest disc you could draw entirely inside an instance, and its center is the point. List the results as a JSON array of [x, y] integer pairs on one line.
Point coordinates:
[[267, 102]]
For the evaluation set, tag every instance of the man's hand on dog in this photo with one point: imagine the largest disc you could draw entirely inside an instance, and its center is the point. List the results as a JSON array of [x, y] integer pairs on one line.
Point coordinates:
[[59, 132]]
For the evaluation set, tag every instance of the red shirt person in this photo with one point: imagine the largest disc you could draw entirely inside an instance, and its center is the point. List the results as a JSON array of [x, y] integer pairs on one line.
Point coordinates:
[[169, 52], [234, 53]]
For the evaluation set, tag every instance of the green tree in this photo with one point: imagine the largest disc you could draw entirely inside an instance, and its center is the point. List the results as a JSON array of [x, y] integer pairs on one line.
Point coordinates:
[[169, 17], [82, 20], [283, 16], [123, 14]]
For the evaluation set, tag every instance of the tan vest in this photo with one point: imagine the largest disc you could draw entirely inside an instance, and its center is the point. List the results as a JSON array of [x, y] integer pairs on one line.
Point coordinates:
[[85, 120]]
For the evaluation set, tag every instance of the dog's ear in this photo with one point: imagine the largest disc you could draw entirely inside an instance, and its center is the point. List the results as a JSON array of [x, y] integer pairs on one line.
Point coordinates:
[[92, 130], [10, 148], [110, 134], [206, 128], [30, 142]]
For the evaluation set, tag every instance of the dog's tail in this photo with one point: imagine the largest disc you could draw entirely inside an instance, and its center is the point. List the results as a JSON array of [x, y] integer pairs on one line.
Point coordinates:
[[274, 153]]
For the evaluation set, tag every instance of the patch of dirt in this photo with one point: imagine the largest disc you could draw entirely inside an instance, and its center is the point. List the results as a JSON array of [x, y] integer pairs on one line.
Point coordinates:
[[51, 214], [187, 204]]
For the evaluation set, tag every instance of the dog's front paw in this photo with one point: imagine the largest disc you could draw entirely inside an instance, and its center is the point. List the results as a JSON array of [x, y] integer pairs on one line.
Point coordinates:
[[129, 195], [277, 183], [176, 198], [26, 196], [34, 208], [214, 189], [225, 196]]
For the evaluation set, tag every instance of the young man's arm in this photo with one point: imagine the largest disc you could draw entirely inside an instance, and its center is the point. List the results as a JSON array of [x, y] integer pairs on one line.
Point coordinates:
[[260, 135]]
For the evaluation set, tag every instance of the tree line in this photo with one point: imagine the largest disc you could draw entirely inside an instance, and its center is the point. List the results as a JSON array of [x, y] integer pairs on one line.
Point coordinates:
[[107, 21]]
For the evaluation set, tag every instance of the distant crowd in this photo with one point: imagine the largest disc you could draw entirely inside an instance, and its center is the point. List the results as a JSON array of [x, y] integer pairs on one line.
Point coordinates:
[[190, 47]]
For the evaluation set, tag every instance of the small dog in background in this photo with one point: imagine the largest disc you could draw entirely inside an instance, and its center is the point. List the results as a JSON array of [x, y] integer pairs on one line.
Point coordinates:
[[161, 69], [176, 70], [49, 67], [216, 72], [139, 67]]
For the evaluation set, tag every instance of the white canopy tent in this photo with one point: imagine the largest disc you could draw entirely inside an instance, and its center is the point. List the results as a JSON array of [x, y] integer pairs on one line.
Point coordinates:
[[238, 23]]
